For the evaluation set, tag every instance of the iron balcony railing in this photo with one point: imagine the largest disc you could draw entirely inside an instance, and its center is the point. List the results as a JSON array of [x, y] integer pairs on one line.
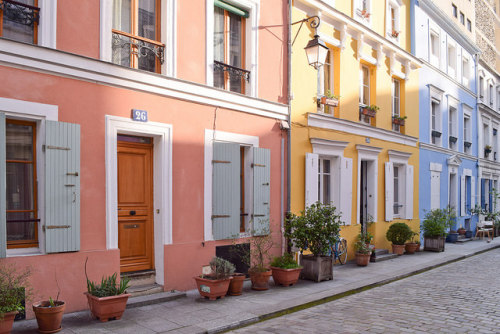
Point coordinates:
[[19, 12], [140, 46], [233, 71]]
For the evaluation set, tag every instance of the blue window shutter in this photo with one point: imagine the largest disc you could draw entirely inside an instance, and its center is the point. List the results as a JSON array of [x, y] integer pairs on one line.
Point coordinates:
[[3, 190], [261, 190], [62, 187], [226, 191]]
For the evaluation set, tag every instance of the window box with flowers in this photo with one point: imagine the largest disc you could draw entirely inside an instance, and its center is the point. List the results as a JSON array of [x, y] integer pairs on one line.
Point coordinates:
[[394, 33], [436, 133], [398, 120], [364, 14], [329, 99], [487, 150], [369, 111]]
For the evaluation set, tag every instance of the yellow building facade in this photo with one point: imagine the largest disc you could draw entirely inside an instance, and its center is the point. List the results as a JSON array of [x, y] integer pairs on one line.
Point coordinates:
[[357, 159]]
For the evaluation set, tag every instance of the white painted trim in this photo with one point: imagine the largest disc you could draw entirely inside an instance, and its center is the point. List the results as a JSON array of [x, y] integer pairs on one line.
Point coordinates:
[[368, 153], [210, 137], [328, 147], [63, 64], [435, 167], [432, 147], [398, 157], [162, 175], [105, 26], [467, 172], [47, 28], [329, 122], [39, 112]]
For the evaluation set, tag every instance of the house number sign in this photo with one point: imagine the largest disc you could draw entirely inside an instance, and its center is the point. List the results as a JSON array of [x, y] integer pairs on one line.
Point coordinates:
[[139, 115]]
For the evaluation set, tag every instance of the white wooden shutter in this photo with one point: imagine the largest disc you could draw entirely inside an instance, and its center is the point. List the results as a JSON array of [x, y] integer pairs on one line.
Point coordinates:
[[226, 190], [261, 190], [389, 191], [3, 190], [463, 196], [409, 192], [435, 190], [473, 192], [312, 162], [346, 190], [62, 187]]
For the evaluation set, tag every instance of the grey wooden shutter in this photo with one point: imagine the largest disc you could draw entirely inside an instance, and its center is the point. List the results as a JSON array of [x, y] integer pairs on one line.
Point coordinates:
[[311, 179], [261, 190], [3, 190], [226, 191], [62, 187]]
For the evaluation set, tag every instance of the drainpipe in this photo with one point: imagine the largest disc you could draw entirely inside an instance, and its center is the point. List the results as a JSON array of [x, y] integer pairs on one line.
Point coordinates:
[[289, 145]]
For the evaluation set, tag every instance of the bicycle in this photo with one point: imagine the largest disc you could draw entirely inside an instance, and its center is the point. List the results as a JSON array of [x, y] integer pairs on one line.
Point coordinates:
[[339, 251]]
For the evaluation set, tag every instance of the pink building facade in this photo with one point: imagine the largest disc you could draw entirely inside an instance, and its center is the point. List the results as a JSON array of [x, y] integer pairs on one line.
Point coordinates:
[[141, 135]]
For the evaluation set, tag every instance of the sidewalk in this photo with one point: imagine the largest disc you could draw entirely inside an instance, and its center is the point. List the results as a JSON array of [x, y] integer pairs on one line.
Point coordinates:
[[195, 315]]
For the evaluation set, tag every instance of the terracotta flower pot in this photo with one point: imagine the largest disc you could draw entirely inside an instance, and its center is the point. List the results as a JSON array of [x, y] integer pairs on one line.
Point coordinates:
[[461, 231], [236, 284], [418, 247], [411, 247], [106, 308], [6, 321], [285, 277], [398, 249], [362, 259], [212, 288], [49, 318], [260, 279]]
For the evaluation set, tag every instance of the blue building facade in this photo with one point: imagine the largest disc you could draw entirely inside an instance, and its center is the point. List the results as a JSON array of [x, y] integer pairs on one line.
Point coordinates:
[[448, 114]]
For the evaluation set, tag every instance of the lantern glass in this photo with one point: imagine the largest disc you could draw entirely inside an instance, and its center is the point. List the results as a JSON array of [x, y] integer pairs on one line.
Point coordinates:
[[316, 52]]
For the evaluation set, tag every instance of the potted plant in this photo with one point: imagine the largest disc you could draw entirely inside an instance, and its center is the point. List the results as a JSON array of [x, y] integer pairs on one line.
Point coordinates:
[[434, 226], [398, 120], [329, 99], [285, 269], [369, 111], [412, 246], [14, 290], [236, 284], [107, 300], [316, 229], [453, 139], [216, 284], [49, 314], [398, 234], [260, 274], [461, 230], [365, 14], [487, 150], [395, 33], [363, 252]]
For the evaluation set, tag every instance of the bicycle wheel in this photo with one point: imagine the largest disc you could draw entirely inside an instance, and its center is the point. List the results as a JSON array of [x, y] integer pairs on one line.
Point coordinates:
[[342, 251]]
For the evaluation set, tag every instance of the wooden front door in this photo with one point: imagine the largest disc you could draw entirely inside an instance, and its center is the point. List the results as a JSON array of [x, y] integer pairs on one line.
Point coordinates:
[[135, 203]]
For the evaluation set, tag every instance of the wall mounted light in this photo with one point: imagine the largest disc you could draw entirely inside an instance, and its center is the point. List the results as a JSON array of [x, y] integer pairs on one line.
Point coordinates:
[[316, 49]]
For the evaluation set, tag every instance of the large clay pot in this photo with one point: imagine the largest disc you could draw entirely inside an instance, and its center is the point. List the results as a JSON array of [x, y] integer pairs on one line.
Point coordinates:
[[236, 284], [6, 321], [260, 279], [285, 277], [212, 288], [106, 308], [398, 249], [411, 247], [362, 259], [49, 318]]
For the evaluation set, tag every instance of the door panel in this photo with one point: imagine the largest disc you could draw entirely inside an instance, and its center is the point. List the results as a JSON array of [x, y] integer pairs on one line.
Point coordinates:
[[135, 206]]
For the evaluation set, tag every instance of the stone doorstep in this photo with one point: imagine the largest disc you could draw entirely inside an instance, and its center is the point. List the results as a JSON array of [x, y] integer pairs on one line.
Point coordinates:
[[140, 278], [156, 298], [383, 257]]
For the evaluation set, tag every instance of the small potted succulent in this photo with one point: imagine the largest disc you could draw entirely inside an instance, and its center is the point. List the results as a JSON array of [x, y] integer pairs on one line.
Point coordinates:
[[398, 120], [369, 111], [216, 284], [285, 269], [108, 299], [14, 289], [329, 99], [398, 234], [363, 252]]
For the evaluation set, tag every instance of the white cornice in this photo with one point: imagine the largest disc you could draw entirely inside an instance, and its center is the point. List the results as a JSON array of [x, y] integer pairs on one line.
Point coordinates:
[[368, 149], [329, 147], [59, 63], [484, 108], [337, 124], [435, 148], [398, 156]]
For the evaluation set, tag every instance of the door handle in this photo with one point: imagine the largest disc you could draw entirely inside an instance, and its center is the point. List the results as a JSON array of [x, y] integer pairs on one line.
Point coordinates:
[[132, 212], [131, 226]]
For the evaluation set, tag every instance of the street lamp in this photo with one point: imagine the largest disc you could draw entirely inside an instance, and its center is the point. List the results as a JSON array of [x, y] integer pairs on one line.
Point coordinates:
[[316, 49]]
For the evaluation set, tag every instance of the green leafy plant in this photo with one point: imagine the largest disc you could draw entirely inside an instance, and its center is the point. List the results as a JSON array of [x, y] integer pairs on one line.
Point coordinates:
[[258, 256], [14, 288], [399, 118], [109, 285], [399, 233], [487, 148], [373, 108], [362, 248], [286, 261], [221, 268], [317, 228], [438, 221], [330, 95], [365, 237]]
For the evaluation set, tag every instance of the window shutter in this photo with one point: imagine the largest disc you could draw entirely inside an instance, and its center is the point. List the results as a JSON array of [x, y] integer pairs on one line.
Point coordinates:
[[3, 190], [435, 190], [389, 191], [312, 161], [472, 192], [346, 190], [463, 198], [409, 192], [226, 190], [261, 190], [62, 187]]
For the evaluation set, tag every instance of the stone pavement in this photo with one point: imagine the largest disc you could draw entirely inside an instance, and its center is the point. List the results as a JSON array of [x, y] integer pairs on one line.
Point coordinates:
[[462, 297], [195, 315]]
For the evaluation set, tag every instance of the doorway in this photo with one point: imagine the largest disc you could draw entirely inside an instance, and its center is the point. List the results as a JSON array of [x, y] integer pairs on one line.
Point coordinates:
[[135, 203], [363, 205]]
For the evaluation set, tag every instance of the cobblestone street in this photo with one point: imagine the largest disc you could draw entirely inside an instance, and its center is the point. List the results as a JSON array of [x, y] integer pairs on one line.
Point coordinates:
[[462, 297]]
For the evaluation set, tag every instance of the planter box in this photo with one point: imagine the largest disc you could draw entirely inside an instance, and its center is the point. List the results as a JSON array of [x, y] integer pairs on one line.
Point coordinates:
[[398, 121], [212, 288], [434, 244], [106, 308], [285, 277], [436, 134], [368, 112], [317, 268], [467, 143], [329, 101], [453, 139]]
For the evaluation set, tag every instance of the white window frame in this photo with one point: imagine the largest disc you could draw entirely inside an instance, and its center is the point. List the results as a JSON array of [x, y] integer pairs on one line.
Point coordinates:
[[467, 135], [451, 59], [486, 140], [168, 34], [251, 41], [400, 159], [359, 8], [369, 154], [362, 85], [436, 95], [396, 127], [466, 70], [453, 121], [434, 58], [494, 140], [47, 27], [321, 81], [491, 98], [453, 188], [435, 173], [481, 87], [396, 4], [334, 179]]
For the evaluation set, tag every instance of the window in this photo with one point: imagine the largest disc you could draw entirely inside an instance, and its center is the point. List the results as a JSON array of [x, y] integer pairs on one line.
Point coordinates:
[[434, 56], [490, 94], [454, 10], [486, 140], [396, 102], [452, 60], [481, 87], [435, 123], [136, 34], [467, 134], [495, 143], [22, 213], [453, 128], [19, 20], [465, 71], [325, 179], [367, 182], [399, 186], [326, 81], [469, 25], [392, 19], [452, 191], [363, 10], [229, 46], [462, 18], [364, 93]]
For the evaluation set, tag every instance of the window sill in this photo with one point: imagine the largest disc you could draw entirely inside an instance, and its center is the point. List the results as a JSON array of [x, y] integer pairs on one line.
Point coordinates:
[[23, 252]]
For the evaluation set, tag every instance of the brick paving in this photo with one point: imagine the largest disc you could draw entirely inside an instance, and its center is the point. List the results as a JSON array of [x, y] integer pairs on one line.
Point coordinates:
[[461, 297]]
